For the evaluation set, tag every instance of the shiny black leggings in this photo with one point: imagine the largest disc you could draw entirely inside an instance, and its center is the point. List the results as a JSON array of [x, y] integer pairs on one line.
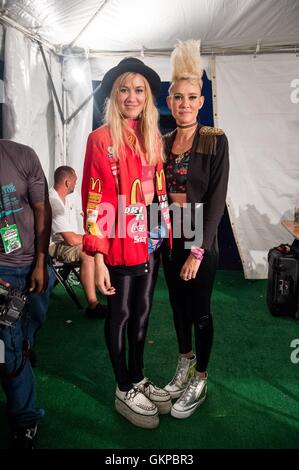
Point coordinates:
[[191, 301], [129, 310]]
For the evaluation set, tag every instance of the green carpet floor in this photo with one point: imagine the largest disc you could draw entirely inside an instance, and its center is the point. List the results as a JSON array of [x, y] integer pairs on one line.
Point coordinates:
[[253, 399]]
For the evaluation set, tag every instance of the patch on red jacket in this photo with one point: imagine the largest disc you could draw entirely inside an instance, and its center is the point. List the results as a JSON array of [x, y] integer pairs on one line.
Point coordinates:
[[93, 200], [94, 182]]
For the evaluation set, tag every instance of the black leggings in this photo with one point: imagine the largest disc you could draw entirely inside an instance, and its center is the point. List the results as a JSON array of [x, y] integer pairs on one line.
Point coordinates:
[[191, 301], [129, 310]]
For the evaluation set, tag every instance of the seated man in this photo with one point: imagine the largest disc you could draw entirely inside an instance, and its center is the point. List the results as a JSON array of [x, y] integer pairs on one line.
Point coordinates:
[[66, 236]]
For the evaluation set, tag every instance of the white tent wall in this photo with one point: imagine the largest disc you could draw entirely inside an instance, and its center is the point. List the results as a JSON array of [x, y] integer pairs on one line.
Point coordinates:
[[28, 113], [1, 41], [1, 58], [260, 115], [81, 125], [77, 130], [59, 156]]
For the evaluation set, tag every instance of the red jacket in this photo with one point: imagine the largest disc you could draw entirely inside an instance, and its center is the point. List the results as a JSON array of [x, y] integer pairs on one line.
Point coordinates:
[[117, 228]]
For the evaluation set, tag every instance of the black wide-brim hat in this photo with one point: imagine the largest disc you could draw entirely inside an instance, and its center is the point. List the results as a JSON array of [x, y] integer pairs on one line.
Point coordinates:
[[131, 64]]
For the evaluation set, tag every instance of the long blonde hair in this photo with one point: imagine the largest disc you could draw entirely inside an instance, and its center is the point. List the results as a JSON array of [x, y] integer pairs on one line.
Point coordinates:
[[186, 63], [151, 145]]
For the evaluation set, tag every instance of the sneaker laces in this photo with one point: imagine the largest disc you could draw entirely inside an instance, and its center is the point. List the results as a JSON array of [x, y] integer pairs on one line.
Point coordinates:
[[178, 372], [191, 387], [146, 386], [132, 393]]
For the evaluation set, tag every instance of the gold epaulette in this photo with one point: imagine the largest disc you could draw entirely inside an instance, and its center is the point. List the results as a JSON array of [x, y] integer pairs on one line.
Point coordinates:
[[208, 140], [206, 130]]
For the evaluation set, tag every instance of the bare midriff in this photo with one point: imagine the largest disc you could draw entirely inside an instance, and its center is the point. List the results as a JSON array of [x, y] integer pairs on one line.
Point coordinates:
[[178, 198]]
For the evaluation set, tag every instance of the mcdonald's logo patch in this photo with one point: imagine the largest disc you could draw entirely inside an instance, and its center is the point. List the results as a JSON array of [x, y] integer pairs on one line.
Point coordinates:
[[135, 191], [160, 175], [94, 183]]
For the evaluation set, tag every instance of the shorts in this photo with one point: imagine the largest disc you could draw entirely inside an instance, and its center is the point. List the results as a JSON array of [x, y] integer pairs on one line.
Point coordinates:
[[65, 253]]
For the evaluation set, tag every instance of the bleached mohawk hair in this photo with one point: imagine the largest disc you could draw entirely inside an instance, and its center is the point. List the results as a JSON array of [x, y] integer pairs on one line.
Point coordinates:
[[185, 61]]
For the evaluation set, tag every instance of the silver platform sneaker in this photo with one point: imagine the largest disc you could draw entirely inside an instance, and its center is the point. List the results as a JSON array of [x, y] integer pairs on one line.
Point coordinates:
[[194, 395], [156, 395], [136, 408], [184, 371]]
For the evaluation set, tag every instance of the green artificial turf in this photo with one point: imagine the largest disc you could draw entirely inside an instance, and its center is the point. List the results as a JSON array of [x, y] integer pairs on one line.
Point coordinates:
[[253, 399]]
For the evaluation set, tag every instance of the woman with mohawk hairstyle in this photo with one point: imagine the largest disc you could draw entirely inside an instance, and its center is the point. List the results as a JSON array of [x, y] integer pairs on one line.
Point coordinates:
[[196, 171]]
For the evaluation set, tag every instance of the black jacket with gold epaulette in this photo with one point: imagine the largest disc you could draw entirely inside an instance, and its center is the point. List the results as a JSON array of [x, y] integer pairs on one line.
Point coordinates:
[[207, 176]]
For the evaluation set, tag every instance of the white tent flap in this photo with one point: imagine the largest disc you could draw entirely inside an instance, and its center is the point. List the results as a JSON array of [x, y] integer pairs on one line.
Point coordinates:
[[28, 113], [262, 124], [78, 85]]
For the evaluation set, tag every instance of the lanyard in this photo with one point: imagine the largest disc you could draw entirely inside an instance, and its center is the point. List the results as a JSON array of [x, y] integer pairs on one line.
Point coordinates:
[[5, 220]]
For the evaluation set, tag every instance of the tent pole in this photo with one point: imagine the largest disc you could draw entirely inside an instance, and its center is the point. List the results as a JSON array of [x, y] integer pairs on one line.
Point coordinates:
[[61, 110], [214, 90], [68, 120], [51, 83], [65, 122], [88, 23], [34, 37]]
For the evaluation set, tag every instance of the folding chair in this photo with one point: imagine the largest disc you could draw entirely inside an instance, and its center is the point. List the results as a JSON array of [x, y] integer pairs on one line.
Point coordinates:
[[62, 272]]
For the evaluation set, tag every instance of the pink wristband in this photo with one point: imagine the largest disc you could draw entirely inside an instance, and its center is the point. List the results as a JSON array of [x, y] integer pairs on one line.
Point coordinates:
[[197, 252]]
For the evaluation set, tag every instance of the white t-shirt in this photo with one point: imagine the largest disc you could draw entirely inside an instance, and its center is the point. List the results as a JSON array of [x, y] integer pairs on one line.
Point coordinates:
[[65, 217]]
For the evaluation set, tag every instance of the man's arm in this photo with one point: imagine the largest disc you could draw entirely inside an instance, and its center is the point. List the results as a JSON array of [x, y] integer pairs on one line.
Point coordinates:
[[42, 228], [72, 238]]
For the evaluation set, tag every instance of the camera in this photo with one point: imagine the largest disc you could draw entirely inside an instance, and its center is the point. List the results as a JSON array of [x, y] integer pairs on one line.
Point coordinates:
[[12, 303]]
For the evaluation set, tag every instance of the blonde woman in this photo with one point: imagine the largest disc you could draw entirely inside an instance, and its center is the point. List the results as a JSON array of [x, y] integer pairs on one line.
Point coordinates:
[[196, 172], [123, 176]]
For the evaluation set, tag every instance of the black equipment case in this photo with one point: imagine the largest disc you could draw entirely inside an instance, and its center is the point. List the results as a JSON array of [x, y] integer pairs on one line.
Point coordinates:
[[283, 281]]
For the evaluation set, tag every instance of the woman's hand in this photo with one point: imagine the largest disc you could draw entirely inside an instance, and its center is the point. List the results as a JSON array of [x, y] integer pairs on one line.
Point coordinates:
[[102, 276], [190, 268]]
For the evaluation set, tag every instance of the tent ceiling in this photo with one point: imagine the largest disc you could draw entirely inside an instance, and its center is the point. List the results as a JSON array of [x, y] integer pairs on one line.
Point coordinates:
[[130, 25]]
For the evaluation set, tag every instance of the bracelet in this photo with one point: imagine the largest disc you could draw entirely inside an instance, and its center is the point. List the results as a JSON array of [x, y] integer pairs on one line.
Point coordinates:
[[197, 252]]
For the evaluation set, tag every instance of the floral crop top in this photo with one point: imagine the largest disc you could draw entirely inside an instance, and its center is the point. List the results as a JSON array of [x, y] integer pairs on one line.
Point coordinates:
[[176, 169]]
